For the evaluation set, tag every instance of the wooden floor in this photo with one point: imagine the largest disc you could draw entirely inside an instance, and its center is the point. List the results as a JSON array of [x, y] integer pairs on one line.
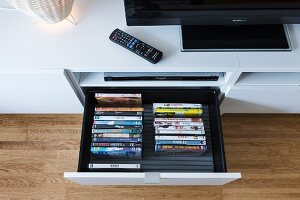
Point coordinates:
[[35, 150]]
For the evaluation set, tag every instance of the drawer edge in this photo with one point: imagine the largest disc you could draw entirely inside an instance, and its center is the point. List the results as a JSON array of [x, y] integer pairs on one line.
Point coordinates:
[[139, 178]]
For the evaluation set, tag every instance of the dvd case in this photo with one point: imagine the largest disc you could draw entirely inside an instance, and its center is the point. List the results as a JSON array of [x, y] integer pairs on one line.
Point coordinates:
[[117, 140], [118, 113], [127, 131], [124, 118], [107, 99], [98, 95], [104, 126], [181, 142], [117, 152], [175, 128], [176, 105], [124, 144], [114, 166], [178, 132], [178, 112], [176, 123], [120, 122], [116, 135], [120, 109], [178, 150], [186, 119], [179, 137]]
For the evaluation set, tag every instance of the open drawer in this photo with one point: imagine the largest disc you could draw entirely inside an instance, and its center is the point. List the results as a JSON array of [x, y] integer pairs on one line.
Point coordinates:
[[207, 169]]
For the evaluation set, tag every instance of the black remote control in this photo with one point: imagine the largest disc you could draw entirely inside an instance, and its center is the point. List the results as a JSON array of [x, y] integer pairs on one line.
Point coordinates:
[[136, 46]]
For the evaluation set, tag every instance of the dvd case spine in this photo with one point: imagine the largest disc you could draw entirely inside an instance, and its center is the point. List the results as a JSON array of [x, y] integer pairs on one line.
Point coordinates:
[[122, 100], [177, 112], [117, 140], [114, 135], [180, 148], [175, 128], [118, 152], [180, 137], [127, 131], [104, 126], [176, 105], [120, 122], [163, 119], [114, 166], [125, 144], [111, 95], [118, 113], [175, 123], [181, 142], [177, 132], [112, 149], [180, 110], [175, 115], [119, 118], [172, 150], [120, 109]]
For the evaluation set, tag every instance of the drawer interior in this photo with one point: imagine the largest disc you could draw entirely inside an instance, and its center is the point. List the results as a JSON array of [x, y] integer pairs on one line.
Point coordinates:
[[213, 160]]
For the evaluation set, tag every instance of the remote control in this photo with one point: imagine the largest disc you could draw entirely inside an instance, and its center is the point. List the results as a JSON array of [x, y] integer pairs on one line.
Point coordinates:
[[136, 46]]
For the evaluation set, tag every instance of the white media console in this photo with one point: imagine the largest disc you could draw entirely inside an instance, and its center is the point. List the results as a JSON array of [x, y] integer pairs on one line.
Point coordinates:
[[35, 57], [45, 68]]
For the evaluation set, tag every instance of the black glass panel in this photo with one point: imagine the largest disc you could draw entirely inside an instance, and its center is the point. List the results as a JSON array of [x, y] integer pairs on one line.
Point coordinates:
[[234, 37], [212, 4]]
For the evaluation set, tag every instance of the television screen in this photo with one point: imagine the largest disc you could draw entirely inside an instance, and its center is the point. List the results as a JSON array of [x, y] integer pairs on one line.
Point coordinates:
[[218, 12], [214, 4]]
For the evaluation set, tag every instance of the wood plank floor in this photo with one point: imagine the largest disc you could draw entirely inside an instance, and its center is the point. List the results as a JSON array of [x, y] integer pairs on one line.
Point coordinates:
[[35, 150]]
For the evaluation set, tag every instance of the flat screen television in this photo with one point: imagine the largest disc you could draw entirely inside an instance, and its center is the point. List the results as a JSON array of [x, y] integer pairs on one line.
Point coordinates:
[[220, 24]]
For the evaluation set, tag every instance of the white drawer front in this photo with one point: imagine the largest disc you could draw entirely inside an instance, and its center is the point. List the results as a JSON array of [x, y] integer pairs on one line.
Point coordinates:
[[99, 178]]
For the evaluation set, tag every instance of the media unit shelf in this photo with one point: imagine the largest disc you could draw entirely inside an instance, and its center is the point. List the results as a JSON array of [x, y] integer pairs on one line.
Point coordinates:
[[262, 91], [94, 79], [79, 80], [262, 99], [268, 79]]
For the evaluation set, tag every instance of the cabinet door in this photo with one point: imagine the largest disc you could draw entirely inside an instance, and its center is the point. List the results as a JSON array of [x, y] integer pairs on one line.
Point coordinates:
[[37, 91], [262, 99]]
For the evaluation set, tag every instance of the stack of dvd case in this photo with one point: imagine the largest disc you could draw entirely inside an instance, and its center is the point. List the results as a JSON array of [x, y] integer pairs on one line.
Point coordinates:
[[117, 127], [179, 129]]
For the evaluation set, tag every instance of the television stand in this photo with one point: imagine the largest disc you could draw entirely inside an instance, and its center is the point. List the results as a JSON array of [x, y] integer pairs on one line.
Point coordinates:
[[235, 38]]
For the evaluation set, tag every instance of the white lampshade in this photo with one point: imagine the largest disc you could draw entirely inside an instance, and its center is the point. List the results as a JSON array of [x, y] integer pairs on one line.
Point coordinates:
[[50, 11]]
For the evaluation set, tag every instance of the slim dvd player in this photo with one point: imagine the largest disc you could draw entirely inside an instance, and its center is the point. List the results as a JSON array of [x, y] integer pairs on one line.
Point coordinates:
[[164, 76]]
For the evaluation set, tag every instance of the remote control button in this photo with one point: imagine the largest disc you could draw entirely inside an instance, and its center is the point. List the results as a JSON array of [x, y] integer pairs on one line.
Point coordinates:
[[141, 47]]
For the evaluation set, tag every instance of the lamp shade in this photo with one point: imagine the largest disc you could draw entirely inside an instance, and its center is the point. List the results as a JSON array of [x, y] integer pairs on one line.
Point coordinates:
[[50, 11]]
